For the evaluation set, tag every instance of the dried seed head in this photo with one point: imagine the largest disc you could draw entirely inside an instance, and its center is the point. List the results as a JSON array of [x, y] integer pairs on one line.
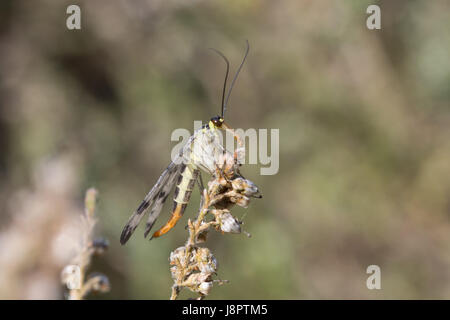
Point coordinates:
[[228, 223], [100, 282], [71, 276], [206, 262], [245, 187], [240, 200], [205, 287], [177, 256], [199, 282], [176, 259], [175, 272]]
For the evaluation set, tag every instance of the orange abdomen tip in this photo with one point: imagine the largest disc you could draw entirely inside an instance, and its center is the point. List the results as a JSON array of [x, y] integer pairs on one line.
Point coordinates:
[[176, 215]]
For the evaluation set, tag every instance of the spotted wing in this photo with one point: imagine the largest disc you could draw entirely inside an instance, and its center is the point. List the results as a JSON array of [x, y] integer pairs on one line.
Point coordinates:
[[162, 196], [157, 194]]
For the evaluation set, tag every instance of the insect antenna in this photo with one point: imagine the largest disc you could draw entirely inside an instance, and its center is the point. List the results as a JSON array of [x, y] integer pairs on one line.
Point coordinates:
[[234, 79], [226, 78]]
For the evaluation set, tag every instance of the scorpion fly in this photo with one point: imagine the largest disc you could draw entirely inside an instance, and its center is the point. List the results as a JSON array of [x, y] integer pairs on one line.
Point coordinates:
[[204, 151]]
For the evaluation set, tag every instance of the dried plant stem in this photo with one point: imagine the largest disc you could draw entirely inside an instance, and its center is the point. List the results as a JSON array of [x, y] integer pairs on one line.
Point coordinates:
[[194, 229], [193, 266], [84, 256], [74, 275]]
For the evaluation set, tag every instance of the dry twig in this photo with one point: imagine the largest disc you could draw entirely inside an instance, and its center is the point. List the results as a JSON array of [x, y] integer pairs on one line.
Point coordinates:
[[73, 275]]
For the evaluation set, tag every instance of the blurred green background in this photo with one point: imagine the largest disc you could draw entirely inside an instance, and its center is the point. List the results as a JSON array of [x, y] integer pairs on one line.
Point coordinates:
[[364, 120]]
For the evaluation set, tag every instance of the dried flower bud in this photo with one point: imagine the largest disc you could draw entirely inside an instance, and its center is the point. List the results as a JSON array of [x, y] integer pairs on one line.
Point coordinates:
[[205, 287], [199, 282], [228, 223], [99, 282], [71, 276], [240, 200], [245, 187], [177, 256], [175, 272], [206, 262]]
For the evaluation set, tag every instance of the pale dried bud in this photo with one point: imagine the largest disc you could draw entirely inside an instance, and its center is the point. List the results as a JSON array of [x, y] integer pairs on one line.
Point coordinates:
[[175, 272], [207, 264], [198, 278], [177, 256], [199, 282], [240, 200], [245, 187], [205, 287], [71, 276], [99, 282], [228, 223]]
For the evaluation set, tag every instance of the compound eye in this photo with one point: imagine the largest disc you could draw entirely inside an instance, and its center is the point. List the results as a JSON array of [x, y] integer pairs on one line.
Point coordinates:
[[217, 121]]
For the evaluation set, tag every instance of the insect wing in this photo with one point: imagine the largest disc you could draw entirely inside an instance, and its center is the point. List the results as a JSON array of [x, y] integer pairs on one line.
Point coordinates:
[[165, 182], [208, 150], [161, 198]]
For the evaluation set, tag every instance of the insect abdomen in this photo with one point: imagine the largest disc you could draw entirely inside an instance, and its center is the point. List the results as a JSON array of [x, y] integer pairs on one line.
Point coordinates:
[[183, 191]]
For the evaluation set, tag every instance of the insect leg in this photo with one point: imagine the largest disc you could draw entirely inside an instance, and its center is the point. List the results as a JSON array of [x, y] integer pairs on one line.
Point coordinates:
[[200, 183]]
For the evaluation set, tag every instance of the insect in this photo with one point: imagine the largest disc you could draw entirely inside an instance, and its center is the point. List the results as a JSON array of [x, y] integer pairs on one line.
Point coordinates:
[[204, 151]]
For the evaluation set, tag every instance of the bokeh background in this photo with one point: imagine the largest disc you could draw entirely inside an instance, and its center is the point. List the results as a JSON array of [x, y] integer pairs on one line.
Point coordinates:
[[364, 120]]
